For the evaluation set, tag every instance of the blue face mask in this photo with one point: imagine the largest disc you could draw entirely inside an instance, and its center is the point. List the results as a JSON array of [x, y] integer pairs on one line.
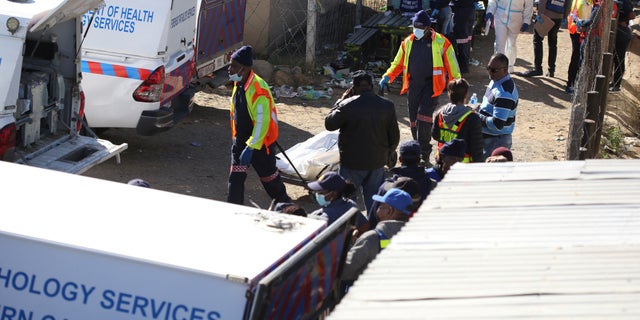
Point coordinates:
[[236, 77], [419, 33], [322, 201]]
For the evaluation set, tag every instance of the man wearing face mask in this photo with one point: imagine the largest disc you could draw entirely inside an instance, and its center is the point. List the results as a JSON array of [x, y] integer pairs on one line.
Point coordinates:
[[254, 129], [427, 61], [333, 194]]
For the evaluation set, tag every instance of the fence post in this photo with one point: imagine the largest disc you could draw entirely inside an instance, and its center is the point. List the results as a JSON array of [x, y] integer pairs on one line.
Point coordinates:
[[588, 131], [591, 119], [598, 111], [358, 12], [311, 34]]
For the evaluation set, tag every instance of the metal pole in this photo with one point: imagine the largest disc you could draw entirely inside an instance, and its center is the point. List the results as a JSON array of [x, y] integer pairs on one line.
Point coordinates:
[[304, 182]]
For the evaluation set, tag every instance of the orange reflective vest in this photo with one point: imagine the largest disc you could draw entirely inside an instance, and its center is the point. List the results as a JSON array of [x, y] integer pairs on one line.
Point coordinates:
[[262, 111], [580, 9], [449, 133], [443, 57]]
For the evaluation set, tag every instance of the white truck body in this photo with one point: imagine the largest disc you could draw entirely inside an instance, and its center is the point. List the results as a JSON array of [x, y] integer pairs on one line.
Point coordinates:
[[137, 45], [160, 256], [42, 101], [130, 41]]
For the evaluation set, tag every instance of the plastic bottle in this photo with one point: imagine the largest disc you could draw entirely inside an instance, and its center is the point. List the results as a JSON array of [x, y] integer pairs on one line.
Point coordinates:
[[474, 99]]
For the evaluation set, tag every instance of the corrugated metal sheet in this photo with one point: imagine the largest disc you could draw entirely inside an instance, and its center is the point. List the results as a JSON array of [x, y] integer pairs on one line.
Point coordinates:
[[545, 240]]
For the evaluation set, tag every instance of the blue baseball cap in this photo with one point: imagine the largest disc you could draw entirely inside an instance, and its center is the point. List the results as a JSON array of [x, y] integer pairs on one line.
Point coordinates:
[[396, 198]]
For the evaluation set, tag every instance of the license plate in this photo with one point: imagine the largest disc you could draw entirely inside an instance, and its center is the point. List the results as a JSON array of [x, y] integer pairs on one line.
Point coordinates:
[[206, 70], [219, 62]]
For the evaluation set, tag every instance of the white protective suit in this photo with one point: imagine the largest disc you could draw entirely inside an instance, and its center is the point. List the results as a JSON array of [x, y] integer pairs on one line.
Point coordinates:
[[508, 17]]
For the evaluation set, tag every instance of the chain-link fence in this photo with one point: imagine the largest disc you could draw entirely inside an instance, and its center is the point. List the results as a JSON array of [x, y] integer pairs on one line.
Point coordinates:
[[589, 98], [287, 34]]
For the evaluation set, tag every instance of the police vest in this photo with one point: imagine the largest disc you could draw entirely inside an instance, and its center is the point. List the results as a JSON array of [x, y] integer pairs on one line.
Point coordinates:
[[384, 240], [449, 133]]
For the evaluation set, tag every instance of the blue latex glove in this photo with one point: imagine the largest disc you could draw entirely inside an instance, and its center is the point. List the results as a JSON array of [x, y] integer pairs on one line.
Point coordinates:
[[538, 19], [384, 82], [434, 13], [581, 23], [245, 156], [525, 27], [488, 16]]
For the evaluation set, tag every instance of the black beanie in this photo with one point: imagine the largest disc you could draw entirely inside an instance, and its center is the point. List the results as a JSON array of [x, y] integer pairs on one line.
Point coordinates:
[[244, 55]]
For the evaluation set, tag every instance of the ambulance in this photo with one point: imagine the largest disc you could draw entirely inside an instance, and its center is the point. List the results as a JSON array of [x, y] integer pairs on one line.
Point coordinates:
[[159, 255], [142, 59], [42, 100]]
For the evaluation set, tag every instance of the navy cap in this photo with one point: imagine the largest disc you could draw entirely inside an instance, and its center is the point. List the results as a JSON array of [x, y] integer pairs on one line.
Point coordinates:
[[454, 148], [330, 181], [410, 150], [421, 20], [139, 182], [244, 55], [396, 198]]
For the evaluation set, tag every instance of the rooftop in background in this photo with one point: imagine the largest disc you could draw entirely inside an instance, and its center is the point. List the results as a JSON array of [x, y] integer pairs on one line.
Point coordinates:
[[543, 240]]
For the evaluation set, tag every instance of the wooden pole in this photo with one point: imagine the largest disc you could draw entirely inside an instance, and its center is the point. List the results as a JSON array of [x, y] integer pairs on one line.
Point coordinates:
[[591, 121], [311, 34]]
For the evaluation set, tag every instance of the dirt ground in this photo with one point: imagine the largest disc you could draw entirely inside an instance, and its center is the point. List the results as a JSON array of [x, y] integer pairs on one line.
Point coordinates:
[[193, 157]]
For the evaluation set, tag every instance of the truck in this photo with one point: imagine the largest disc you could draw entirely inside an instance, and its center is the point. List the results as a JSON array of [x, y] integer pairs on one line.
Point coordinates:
[[159, 255], [155, 55], [40, 90]]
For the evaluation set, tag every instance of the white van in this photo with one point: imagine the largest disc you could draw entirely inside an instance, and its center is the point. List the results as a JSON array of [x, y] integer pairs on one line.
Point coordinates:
[[126, 252], [142, 60], [136, 58], [42, 101]]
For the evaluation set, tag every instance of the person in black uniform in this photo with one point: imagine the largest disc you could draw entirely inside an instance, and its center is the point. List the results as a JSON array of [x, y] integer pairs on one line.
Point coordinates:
[[464, 16]]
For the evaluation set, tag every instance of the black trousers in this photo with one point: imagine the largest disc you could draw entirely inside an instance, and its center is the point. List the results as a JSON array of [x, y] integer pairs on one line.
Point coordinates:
[[552, 41], [576, 59], [265, 165]]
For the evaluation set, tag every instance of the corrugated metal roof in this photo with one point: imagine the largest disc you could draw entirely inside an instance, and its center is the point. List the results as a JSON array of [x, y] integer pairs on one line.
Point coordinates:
[[540, 240]]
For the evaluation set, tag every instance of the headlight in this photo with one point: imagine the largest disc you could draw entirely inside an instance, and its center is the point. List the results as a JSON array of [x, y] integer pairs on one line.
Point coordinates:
[[13, 24]]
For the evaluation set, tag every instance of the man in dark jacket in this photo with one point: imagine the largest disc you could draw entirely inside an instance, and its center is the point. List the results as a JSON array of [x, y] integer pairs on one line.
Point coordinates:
[[368, 134], [464, 16]]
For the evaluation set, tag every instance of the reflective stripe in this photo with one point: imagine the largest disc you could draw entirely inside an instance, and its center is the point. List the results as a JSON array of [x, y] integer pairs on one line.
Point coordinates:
[[270, 177], [115, 70], [449, 133], [424, 118], [239, 168]]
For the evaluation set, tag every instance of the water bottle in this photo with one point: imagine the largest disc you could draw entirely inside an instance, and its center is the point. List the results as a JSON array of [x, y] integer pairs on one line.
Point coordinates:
[[474, 99]]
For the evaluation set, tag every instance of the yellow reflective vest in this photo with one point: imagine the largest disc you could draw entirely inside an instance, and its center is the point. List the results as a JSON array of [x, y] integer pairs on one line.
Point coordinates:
[[262, 111], [442, 55]]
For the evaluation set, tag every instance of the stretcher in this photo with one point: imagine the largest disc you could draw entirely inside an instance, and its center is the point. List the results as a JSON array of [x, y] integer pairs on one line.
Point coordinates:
[[308, 160]]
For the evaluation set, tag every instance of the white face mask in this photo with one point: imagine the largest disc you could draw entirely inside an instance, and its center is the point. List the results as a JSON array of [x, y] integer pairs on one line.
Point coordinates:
[[419, 33], [236, 77]]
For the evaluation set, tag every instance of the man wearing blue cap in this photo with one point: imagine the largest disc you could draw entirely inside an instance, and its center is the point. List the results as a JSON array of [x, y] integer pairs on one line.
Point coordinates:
[[427, 61], [254, 129], [393, 213]]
